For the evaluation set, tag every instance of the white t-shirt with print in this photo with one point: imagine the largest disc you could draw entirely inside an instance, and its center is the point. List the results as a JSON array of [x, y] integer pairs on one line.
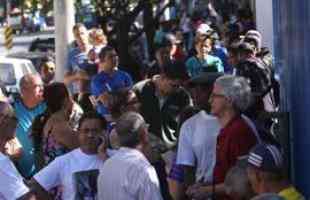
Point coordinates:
[[11, 182], [61, 171], [197, 144]]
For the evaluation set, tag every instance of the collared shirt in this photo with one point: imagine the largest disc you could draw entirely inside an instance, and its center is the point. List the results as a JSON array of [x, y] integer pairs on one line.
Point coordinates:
[[235, 140], [128, 175], [291, 193]]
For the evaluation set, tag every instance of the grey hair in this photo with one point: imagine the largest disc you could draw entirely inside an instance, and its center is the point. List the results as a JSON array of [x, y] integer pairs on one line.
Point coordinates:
[[237, 183], [268, 196], [128, 127], [27, 79], [237, 89]]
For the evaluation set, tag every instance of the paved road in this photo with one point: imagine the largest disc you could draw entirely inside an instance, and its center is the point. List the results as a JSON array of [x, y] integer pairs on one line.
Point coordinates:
[[22, 42]]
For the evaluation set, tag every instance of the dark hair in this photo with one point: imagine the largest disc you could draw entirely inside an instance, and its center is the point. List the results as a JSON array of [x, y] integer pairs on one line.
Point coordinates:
[[164, 43], [128, 128], [120, 99], [246, 47], [175, 70], [93, 115], [234, 47], [55, 95], [78, 25], [103, 52], [7, 110]]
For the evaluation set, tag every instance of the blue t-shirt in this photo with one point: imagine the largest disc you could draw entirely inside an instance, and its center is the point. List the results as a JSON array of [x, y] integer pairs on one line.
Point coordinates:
[[25, 118], [77, 60], [104, 82], [195, 66], [221, 53]]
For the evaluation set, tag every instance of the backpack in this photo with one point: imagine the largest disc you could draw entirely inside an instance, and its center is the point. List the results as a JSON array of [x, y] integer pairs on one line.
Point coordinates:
[[266, 57]]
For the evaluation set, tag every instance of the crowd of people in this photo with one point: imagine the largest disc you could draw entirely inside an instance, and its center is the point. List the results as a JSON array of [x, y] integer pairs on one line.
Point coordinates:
[[189, 129]]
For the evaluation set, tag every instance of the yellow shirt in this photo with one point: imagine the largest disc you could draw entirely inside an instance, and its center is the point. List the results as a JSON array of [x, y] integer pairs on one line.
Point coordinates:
[[291, 193]]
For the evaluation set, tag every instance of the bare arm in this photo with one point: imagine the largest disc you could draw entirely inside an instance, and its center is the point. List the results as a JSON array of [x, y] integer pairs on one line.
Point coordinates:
[[28, 196], [74, 76], [39, 192], [189, 175]]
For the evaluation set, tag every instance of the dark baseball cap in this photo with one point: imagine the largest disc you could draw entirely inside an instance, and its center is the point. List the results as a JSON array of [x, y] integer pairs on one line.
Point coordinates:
[[266, 157], [204, 78]]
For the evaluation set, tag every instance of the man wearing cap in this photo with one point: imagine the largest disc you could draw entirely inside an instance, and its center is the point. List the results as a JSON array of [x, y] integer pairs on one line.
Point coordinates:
[[265, 171], [258, 75], [128, 174], [256, 70]]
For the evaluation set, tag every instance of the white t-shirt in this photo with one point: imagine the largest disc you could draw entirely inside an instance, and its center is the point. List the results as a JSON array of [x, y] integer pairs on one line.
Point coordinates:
[[197, 144], [11, 182], [62, 172], [128, 175]]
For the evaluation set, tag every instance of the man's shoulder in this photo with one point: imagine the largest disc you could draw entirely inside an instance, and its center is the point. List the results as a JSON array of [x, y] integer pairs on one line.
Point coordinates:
[[72, 155], [201, 118], [181, 93], [122, 72], [144, 84], [7, 166], [99, 78], [213, 59], [20, 106], [191, 61], [239, 128], [4, 160]]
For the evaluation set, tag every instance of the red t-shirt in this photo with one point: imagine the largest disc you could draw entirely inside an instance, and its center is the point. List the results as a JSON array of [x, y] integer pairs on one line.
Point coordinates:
[[234, 140]]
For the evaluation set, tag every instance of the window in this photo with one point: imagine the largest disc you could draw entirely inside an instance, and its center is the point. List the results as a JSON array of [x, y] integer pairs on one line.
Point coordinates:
[[7, 74]]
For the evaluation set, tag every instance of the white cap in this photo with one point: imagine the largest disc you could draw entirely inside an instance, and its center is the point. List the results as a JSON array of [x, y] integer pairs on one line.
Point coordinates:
[[203, 29]]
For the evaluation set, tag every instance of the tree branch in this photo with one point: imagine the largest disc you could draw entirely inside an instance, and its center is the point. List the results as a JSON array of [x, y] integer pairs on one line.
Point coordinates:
[[135, 37]]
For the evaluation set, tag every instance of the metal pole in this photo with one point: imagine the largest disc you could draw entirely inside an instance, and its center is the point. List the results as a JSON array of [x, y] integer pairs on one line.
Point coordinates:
[[64, 21], [8, 10]]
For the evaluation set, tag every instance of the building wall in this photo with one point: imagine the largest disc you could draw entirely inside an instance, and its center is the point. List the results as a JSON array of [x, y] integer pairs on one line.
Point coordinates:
[[264, 21], [291, 42]]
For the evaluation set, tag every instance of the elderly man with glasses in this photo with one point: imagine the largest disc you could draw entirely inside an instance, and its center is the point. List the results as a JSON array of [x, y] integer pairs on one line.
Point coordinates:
[[231, 95]]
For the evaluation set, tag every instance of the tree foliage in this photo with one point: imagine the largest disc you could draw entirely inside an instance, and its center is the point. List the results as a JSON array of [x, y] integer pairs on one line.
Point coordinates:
[[124, 33]]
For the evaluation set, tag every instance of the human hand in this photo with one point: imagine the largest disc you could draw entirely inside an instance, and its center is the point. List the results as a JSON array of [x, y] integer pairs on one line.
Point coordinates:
[[81, 75], [102, 149], [198, 191], [104, 98]]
